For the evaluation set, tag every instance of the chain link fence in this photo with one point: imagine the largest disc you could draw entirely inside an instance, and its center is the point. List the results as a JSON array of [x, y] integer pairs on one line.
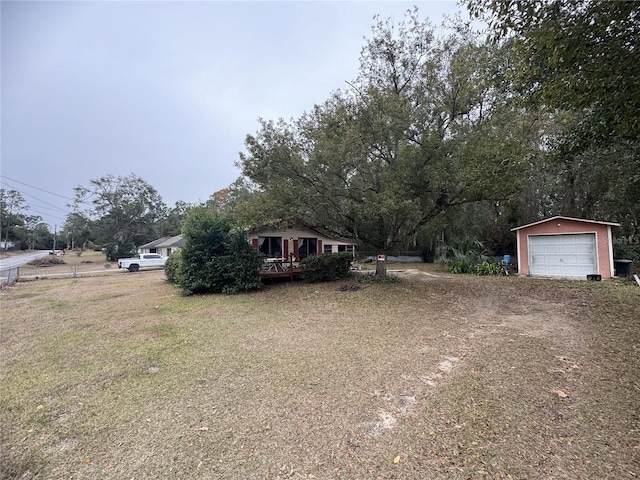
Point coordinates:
[[394, 255], [9, 276]]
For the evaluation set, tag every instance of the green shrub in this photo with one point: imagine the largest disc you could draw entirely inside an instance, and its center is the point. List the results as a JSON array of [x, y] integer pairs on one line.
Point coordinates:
[[328, 267], [172, 267], [489, 268], [461, 266], [465, 256], [216, 256]]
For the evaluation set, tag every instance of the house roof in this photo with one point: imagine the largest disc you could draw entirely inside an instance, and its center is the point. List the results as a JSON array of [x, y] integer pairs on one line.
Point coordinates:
[[560, 217], [171, 242], [303, 226], [154, 244]]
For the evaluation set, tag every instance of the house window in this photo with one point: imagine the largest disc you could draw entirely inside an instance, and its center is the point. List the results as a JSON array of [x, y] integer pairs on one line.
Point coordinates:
[[345, 248], [270, 246], [328, 248], [307, 246]]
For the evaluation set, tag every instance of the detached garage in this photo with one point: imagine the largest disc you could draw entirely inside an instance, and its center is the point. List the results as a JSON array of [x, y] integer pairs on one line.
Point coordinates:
[[565, 247]]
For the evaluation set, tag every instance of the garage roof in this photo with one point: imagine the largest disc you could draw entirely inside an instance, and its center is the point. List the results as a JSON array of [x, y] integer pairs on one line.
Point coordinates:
[[559, 217]]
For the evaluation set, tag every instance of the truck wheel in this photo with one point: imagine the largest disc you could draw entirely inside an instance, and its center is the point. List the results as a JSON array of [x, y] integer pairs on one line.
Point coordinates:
[[134, 268]]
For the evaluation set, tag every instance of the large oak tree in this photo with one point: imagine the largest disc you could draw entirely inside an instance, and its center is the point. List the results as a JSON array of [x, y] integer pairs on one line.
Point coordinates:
[[422, 129], [122, 211]]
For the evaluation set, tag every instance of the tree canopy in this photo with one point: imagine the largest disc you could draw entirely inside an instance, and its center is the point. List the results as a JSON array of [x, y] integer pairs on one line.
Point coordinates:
[[122, 211], [455, 133], [422, 129], [441, 133], [579, 58], [20, 228], [575, 54]]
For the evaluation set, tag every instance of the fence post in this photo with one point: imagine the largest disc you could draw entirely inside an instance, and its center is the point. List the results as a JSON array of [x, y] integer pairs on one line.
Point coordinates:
[[11, 276]]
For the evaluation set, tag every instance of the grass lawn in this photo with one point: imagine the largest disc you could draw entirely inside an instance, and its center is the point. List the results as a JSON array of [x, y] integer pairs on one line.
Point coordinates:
[[436, 377], [88, 263]]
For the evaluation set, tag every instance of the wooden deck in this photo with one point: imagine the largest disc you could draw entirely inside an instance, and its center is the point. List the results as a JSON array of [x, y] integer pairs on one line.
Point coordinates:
[[276, 269], [289, 274]]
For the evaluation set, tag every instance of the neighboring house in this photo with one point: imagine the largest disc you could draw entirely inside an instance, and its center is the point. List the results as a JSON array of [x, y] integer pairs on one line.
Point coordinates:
[[164, 246], [300, 242], [7, 245], [565, 247], [170, 245], [151, 247]]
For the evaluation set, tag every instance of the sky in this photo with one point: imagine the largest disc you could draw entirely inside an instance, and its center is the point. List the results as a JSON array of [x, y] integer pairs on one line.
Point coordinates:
[[166, 90]]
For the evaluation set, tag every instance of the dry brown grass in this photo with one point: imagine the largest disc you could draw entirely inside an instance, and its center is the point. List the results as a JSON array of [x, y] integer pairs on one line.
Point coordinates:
[[442, 377], [88, 263]]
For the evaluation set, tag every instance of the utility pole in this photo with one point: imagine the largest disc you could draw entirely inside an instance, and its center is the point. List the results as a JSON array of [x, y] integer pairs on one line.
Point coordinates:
[[55, 234], [6, 235]]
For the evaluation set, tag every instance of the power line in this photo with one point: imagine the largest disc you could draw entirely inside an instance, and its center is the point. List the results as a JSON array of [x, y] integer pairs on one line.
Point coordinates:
[[48, 215], [36, 198], [37, 188], [56, 210]]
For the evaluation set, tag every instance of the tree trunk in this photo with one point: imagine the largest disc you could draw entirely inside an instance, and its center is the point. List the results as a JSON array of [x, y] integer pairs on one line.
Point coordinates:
[[381, 266]]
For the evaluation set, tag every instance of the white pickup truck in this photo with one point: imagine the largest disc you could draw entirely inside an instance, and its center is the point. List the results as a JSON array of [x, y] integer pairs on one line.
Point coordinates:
[[144, 260]]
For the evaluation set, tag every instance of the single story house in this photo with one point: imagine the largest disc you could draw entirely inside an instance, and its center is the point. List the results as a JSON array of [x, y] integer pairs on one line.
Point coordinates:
[[151, 246], [164, 246], [301, 241], [565, 247]]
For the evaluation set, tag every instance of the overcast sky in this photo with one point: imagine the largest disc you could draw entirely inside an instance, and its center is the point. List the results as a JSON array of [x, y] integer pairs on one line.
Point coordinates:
[[165, 90]]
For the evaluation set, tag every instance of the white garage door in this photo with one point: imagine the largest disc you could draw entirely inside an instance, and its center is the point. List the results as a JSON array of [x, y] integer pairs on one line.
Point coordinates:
[[570, 255]]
